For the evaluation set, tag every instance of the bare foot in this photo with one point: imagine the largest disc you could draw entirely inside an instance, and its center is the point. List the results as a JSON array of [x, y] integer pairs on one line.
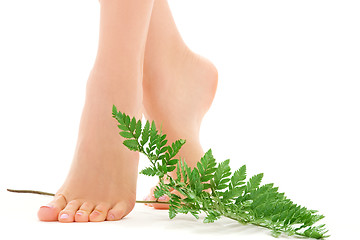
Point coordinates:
[[177, 95], [101, 184]]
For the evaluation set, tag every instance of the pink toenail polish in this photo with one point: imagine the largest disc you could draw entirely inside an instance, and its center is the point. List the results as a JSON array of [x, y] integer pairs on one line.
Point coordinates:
[[64, 215], [47, 206], [162, 198], [111, 216], [79, 213]]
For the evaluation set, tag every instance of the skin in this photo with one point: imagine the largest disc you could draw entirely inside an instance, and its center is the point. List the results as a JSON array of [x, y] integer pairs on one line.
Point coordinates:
[[140, 76], [178, 86]]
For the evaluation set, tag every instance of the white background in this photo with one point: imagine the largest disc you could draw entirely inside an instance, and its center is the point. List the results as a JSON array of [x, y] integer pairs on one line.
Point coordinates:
[[287, 104]]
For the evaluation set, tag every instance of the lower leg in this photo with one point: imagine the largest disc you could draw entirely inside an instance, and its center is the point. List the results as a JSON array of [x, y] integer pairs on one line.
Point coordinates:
[[101, 184], [119, 61], [178, 85]]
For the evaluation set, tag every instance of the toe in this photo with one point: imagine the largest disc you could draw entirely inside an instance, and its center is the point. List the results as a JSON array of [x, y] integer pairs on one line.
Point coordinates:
[[99, 213], [68, 214], [119, 211], [51, 211], [163, 198], [147, 198], [82, 215], [150, 197]]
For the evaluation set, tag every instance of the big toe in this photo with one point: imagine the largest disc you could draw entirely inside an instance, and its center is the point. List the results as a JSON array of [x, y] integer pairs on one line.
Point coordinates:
[[163, 198], [151, 197], [50, 211], [162, 205]]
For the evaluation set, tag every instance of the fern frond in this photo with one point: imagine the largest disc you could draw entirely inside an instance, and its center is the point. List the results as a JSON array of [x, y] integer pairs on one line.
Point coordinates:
[[231, 195], [253, 183], [238, 177], [206, 167], [221, 175]]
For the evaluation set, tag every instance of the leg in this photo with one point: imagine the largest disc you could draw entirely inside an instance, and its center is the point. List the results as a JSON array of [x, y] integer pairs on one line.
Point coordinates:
[[101, 184], [178, 85]]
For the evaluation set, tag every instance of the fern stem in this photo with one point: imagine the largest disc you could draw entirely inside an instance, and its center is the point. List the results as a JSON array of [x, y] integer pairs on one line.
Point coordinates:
[[30, 191], [243, 221], [52, 194]]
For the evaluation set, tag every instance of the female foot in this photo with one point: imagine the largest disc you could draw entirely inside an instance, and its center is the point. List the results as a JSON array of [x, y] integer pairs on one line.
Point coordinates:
[[101, 184], [176, 97], [178, 85]]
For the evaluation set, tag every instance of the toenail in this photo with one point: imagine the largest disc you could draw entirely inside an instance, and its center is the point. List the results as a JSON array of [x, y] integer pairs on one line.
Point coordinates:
[[79, 213], [111, 216], [47, 206], [64, 215], [162, 198], [95, 213]]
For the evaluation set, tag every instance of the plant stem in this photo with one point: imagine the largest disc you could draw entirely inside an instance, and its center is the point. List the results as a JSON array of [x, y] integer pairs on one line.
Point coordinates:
[[243, 221], [138, 201], [30, 191], [52, 194]]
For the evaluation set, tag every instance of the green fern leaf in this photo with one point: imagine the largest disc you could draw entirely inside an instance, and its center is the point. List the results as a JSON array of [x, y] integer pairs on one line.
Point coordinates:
[[231, 196], [123, 127], [132, 124], [239, 176], [222, 171], [206, 166], [126, 119], [185, 170], [126, 135], [175, 147], [254, 182], [137, 129], [173, 162], [233, 193], [131, 144], [145, 134], [114, 110], [148, 171], [170, 168], [212, 216]]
